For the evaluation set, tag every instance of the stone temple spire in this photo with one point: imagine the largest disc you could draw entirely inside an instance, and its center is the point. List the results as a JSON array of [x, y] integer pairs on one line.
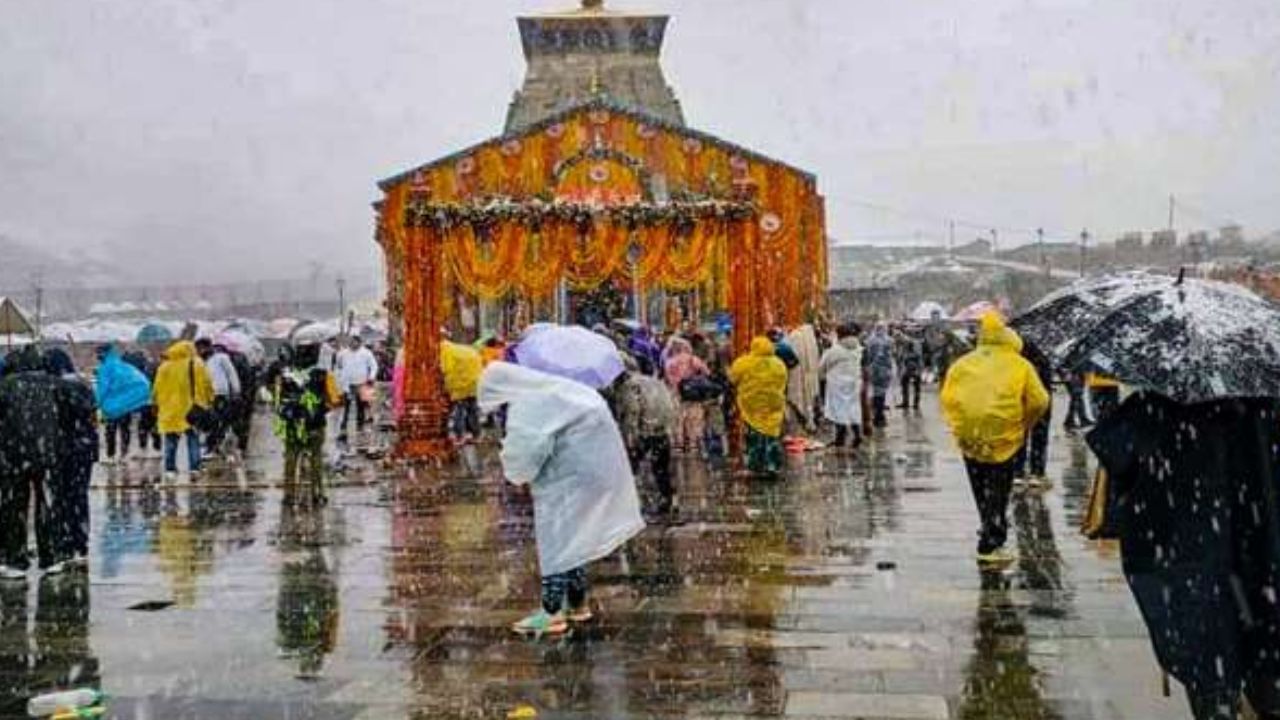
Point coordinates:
[[589, 52]]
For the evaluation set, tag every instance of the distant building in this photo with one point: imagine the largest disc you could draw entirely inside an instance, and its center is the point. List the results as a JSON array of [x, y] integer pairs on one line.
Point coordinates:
[[1231, 236], [1130, 242], [1164, 239]]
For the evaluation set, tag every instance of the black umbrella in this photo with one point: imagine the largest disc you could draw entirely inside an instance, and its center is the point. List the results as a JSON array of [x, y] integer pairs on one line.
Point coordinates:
[[1189, 340], [1063, 317]]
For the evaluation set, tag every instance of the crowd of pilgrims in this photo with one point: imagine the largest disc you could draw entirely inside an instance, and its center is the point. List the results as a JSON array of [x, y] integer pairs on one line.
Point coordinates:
[[56, 423]]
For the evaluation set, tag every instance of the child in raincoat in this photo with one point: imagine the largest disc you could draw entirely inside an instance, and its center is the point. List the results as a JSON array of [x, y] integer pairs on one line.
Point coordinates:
[[760, 382], [304, 394], [991, 397], [563, 443]]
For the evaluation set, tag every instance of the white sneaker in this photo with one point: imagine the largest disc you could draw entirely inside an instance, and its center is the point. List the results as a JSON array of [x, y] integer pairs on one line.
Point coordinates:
[[8, 572], [999, 556], [56, 569], [170, 476]]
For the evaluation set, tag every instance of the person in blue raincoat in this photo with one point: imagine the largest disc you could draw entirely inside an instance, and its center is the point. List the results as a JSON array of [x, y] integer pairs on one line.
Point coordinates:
[[121, 391]]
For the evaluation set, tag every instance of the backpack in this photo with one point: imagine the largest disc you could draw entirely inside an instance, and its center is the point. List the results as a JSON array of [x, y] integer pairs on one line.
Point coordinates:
[[301, 403], [699, 388]]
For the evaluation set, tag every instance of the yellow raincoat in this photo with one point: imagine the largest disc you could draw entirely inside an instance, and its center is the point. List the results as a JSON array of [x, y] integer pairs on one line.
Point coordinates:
[[992, 396], [181, 383], [461, 365], [760, 379]]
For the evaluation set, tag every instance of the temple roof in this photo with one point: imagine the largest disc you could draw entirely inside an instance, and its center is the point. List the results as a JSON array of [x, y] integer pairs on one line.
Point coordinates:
[[599, 103]]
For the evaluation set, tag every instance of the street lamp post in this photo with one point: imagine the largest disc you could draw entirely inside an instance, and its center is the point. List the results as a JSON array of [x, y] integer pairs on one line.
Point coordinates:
[[1084, 244]]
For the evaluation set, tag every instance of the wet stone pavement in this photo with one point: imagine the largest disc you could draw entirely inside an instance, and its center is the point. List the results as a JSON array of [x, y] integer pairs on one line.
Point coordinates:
[[847, 590]]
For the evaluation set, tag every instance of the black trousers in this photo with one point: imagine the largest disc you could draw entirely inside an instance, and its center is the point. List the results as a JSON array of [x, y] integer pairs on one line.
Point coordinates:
[[147, 430], [362, 409], [119, 429], [1077, 414], [221, 422], [657, 450], [851, 432], [242, 419], [1036, 450], [15, 501], [877, 409], [991, 484], [910, 381]]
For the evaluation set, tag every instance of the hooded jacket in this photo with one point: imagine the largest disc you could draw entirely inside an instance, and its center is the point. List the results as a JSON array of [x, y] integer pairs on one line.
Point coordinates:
[[461, 366], [182, 382], [760, 382], [992, 395], [31, 431], [120, 388]]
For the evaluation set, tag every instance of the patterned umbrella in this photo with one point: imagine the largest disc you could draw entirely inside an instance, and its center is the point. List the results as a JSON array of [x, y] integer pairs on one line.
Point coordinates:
[[1189, 340], [1063, 317]]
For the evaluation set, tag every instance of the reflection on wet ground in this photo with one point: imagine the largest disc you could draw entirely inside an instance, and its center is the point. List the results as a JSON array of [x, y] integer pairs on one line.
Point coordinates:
[[846, 590]]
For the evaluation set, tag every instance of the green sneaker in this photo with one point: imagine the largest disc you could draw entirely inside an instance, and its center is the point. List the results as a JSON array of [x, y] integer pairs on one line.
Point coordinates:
[[999, 556], [541, 623]]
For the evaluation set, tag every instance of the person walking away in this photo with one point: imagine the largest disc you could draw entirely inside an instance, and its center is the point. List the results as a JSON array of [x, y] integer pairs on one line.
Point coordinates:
[[121, 392], [461, 366], [30, 459], [990, 398], [68, 488], [1193, 489], [759, 379], [910, 358], [148, 435], [564, 445], [683, 369], [648, 418], [1104, 394], [879, 361], [802, 380], [243, 407], [1032, 459], [182, 386], [226, 392], [1077, 410], [842, 370], [357, 372], [304, 395]]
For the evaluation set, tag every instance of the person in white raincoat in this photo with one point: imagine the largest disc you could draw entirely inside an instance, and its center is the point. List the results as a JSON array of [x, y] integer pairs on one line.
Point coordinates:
[[842, 368], [802, 380], [563, 442]]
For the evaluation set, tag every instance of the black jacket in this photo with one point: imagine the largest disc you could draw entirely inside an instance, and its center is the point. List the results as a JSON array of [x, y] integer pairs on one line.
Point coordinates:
[[1195, 494]]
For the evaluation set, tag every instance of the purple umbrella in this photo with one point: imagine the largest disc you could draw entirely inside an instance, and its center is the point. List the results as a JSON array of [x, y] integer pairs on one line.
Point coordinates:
[[571, 352]]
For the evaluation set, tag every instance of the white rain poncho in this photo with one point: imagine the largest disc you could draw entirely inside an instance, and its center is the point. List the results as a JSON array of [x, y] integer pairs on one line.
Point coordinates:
[[562, 441]]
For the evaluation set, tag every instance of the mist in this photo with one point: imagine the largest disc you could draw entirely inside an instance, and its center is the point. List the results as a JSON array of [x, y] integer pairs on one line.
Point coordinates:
[[218, 140]]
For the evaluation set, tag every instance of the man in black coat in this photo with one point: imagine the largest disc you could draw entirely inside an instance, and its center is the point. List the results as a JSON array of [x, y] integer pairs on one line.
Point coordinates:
[[1195, 494]]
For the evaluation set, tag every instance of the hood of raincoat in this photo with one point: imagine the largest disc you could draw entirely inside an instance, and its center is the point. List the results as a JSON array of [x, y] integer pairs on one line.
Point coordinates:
[[120, 388], [993, 332], [992, 395], [760, 379], [563, 442], [180, 351], [850, 343], [461, 366]]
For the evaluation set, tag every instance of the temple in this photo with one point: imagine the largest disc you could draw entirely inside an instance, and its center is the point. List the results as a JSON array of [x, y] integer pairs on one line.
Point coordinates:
[[596, 203], [579, 55]]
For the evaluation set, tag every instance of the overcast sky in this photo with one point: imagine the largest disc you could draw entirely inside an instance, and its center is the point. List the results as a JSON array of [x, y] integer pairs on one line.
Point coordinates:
[[242, 138]]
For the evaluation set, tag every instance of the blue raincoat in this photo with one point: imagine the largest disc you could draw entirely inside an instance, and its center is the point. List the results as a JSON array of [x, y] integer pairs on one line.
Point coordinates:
[[121, 388]]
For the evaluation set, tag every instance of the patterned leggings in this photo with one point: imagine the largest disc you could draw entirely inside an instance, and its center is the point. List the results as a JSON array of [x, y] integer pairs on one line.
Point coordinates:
[[570, 586]]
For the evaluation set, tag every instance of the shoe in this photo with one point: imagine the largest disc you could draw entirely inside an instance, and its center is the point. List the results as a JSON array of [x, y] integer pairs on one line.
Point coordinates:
[[8, 572], [999, 556], [580, 615], [1020, 482], [541, 623], [170, 476], [55, 569]]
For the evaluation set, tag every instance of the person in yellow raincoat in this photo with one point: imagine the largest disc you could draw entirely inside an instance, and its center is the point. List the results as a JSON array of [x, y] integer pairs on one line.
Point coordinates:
[[760, 387], [461, 366], [990, 398], [182, 384]]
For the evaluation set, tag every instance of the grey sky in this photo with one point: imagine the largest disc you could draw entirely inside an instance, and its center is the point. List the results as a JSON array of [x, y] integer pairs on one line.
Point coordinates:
[[242, 138]]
